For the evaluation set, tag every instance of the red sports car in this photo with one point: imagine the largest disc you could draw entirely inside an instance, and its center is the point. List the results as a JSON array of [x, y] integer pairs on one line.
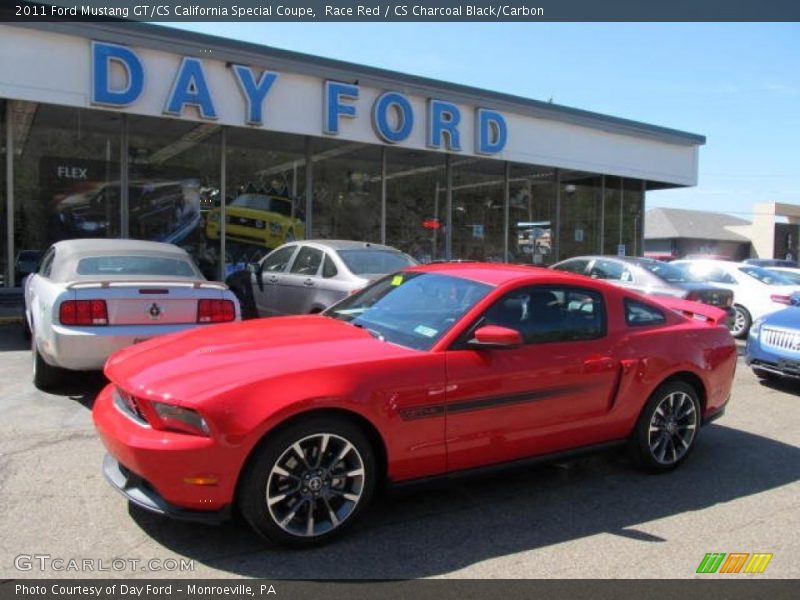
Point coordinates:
[[430, 371]]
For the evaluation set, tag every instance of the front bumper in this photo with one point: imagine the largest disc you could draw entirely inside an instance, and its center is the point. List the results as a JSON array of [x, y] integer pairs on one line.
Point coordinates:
[[88, 348], [759, 359], [151, 467]]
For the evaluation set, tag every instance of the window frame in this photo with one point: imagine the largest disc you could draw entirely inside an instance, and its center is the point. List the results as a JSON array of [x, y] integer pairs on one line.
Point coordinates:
[[288, 264], [304, 248]]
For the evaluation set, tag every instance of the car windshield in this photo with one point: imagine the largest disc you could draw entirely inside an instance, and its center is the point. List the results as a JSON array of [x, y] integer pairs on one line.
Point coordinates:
[[669, 273], [765, 276], [282, 206], [135, 265], [363, 261], [410, 309]]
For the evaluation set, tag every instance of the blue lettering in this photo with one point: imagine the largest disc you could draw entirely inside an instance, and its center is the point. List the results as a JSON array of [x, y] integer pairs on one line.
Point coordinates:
[[333, 107], [254, 93], [491, 131], [102, 56], [443, 120], [190, 88], [403, 111]]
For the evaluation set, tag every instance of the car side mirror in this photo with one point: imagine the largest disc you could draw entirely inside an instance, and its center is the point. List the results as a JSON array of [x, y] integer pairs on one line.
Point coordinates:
[[494, 337]]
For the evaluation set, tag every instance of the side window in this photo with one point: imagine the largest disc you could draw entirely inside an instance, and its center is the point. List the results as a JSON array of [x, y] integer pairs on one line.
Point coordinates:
[[550, 314], [307, 262], [278, 260], [607, 269], [573, 266], [638, 313], [719, 276], [47, 263], [328, 268]]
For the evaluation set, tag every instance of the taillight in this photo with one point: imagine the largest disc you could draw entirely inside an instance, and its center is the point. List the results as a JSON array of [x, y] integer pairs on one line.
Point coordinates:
[[781, 298], [215, 311], [83, 312]]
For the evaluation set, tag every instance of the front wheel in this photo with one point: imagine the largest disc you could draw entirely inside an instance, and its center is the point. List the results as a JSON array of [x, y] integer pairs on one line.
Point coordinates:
[[667, 428], [308, 482], [741, 322]]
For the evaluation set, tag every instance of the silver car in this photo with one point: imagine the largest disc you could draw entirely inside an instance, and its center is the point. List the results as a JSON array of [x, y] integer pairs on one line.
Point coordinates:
[[92, 297], [306, 277]]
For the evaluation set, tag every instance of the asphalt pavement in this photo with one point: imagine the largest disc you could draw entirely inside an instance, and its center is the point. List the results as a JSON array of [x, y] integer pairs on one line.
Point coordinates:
[[587, 518]]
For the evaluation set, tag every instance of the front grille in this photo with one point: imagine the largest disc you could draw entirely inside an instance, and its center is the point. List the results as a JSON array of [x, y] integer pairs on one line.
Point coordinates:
[[780, 339], [128, 406]]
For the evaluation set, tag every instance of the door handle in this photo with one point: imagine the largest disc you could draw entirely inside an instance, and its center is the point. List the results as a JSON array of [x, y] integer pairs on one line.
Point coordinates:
[[308, 282], [598, 364], [273, 279]]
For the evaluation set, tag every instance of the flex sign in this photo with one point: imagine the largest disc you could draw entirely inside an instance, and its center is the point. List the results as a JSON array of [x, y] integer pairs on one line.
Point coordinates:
[[392, 115]]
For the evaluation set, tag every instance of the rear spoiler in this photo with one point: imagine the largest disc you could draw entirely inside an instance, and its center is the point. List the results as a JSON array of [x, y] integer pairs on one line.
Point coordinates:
[[105, 283], [694, 310]]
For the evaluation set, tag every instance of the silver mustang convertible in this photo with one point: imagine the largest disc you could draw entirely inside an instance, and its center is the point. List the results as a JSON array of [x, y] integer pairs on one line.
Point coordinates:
[[91, 297]]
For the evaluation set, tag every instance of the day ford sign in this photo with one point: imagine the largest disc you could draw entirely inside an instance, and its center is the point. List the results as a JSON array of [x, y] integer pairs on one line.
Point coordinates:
[[392, 114]]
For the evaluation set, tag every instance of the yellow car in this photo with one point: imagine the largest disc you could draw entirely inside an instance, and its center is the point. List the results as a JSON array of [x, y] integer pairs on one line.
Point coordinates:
[[260, 219]]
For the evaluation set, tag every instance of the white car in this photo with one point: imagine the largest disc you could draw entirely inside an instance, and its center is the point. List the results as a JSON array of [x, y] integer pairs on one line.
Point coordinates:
[[91, 297], [756, 291], [791, 274]]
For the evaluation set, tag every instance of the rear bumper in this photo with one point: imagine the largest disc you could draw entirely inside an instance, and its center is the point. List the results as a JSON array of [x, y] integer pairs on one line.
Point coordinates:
[[88, 348]]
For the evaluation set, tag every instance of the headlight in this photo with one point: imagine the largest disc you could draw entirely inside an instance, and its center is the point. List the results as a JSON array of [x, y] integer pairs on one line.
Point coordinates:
[[755, 328], [177, 418]]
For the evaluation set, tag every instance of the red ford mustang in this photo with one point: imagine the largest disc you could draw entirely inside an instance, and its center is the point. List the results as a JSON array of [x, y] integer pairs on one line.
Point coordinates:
[[430, 371]]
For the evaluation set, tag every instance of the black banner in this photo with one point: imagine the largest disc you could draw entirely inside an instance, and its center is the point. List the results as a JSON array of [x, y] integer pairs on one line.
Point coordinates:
[[400, 10], [450, 589]]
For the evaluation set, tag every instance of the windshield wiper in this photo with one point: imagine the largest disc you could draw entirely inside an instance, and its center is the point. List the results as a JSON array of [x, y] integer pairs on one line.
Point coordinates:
[[372, 332]]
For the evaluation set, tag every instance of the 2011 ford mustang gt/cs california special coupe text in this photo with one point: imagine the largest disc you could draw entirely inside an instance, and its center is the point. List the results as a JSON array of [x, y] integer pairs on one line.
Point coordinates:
[[438, 369]]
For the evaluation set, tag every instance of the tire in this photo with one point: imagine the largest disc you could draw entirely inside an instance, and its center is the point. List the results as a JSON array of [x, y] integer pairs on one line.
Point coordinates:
[[45, 376], [671, 415], [319, 506], [741, 322]]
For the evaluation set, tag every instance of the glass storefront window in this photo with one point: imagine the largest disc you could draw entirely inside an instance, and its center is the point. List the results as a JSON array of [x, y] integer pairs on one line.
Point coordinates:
[[580, 214], [532, 215], [265, 188], [66, 174], [172, 166], [3, 220], [624, 214], [415, 203], [347, 191], [478, 209]]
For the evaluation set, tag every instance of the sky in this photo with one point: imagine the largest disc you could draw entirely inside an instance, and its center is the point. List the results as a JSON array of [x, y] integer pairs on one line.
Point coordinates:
[[736, 84]]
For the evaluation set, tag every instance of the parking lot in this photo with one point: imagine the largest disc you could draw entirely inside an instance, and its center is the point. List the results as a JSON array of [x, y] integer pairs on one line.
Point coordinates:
[[595, 517]]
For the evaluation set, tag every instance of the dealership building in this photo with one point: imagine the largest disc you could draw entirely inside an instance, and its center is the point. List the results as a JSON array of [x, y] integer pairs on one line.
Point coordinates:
[[229, 148]]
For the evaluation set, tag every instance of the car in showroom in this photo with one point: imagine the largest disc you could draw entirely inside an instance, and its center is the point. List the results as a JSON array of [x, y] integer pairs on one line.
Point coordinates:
[[430, 371], [258, 218], [773, 345], [309, 276], [756, 291], [649, 276], [91, 297]]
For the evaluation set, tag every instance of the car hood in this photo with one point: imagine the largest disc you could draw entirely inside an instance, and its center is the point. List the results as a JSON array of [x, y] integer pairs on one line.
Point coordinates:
[[210, 360], [788, 318]]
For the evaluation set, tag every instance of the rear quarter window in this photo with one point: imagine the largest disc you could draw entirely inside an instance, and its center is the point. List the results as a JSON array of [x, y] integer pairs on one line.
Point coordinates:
[[638, 314]]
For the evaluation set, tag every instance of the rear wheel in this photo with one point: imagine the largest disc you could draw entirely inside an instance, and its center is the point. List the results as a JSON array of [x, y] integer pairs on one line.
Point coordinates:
[[667, 428], [309, 481], [741, 322], [45, 376]]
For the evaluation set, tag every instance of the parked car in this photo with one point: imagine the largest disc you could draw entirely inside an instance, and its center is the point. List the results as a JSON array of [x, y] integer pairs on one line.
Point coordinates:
[[256, 218], [309, 276], [773, 346], [27, 262], [649, 276], [94, 296], [771, 262], [756, 291], [429, 371], [791, 274]]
